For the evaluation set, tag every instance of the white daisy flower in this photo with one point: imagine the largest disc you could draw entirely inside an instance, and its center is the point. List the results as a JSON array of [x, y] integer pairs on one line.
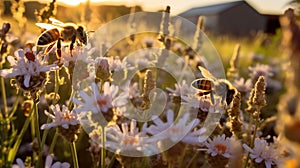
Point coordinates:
[[48, 163], [263, 151], [115, 64], [129, 141], [62, 117], [78, 53], [220, 145], [180, 89], [176, 131], [100, 102], [27, 66]]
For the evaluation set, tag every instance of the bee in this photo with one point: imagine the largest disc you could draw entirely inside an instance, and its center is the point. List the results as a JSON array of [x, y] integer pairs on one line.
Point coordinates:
[[59, 32], [213, 86]]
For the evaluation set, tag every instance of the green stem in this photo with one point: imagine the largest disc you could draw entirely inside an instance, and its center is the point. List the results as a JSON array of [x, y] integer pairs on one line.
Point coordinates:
[[112, 161], [3, 92], [103, 152], [192, 160], [182, 156], [254, 136], [74, 155], [53, 142], [12, 153], [54, 101], [15, 106], [38, 134]]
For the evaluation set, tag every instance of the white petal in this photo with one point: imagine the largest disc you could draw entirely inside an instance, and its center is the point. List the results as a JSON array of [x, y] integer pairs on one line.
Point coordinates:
[[6, 73], [48, 162], [11, 60], [20, 163], [19, 53], [65, 165], [27, 80]]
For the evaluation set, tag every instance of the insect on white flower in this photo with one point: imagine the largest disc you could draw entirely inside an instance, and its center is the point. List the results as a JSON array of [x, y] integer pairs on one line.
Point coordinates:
[[28, 68]]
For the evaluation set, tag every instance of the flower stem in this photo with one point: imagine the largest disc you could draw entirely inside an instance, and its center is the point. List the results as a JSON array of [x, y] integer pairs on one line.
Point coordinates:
[[192, 160], [53, 142], [254, 136], [74, 155], [103, 152], [38, 134], [54, 101], [12, 153], [3, 94]]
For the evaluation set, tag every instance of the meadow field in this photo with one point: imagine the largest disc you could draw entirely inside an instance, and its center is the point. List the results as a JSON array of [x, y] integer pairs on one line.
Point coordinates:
[[123, 87]]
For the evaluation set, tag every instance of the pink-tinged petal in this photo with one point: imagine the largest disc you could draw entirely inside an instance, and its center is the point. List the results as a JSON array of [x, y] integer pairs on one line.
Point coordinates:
[[65, 165], [7, 73], [48, 126], [11, 60], [48, 162], [49, 115], [26, 80], [20, 163], [258, 160], [268, 164], [66, 126], [170, 116], [247, 148], [48, 68], [20, 54]]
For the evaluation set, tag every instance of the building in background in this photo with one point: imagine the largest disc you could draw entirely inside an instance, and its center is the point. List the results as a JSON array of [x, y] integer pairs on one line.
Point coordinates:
[[234, 18]]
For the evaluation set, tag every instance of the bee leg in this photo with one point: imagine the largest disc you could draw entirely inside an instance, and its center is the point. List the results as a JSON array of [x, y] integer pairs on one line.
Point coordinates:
[[58, 50], [212, 98], [49, 48], [72, 44]]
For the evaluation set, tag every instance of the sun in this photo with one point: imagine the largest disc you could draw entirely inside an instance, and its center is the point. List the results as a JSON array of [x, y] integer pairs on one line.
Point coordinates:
[[72, 2]]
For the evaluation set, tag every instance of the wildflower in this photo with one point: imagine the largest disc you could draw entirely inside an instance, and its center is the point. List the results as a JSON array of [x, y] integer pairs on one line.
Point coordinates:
[[257, 98], [66, 121], [115, 64], [182, 89], [234, 113], [100, 102], [129, 141], [262, 151], [176, 131], [260, 70], [219, 150], [220, 145], [102, 69], [242, 85], [48, 163], [29, 69], [234, 61], [78, 53]]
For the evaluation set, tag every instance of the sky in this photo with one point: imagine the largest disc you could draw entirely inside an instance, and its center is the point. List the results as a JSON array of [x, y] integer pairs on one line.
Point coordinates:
[[178, 6]]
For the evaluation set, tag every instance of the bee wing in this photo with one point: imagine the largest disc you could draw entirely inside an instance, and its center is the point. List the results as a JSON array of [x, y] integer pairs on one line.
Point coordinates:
[[47, 26], [205, 73], [56, 22]]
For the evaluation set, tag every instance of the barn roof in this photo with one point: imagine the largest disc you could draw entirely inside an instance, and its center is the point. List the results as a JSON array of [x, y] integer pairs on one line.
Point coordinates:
[[220, 7]]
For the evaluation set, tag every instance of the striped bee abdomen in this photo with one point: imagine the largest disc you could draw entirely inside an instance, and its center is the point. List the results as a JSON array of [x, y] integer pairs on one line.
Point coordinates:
[[48, 37]]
